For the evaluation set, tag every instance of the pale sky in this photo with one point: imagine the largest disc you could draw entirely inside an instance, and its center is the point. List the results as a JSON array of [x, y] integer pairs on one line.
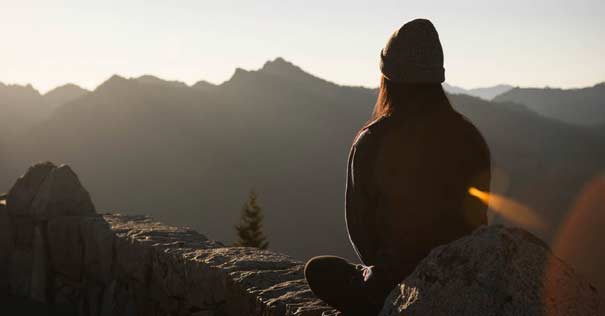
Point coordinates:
[[526, 43]]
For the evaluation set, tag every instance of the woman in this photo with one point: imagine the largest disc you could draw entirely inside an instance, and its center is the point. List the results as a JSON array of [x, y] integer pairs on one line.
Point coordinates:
[[409, 172]]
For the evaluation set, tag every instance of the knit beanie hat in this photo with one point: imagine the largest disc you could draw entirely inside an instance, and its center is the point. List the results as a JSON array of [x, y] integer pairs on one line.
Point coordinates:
[[413, 54]]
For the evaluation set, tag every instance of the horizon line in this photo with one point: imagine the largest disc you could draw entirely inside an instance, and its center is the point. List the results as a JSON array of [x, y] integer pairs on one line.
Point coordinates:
[[25, 85]]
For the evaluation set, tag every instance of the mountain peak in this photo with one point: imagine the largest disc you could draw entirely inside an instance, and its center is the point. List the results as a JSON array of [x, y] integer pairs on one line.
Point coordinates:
[[26, 89], [67, 88], [149, 79], [63, 94], [203, 85], [280, 66], [112, 82]]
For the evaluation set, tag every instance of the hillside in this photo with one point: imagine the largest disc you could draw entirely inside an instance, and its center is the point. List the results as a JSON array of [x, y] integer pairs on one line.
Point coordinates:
[[23, 106], [20, 106], [585, 106], [485, 93], [63, 94], [189, 155]]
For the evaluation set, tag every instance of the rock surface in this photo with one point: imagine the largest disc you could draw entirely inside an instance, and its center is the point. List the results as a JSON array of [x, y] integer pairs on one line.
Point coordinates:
[[23, 192], [54, 248], [495, 271], [6, 245], [57, 250]]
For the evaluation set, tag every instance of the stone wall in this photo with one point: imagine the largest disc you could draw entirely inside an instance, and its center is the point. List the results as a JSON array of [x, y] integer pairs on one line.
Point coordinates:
[[55, 249]]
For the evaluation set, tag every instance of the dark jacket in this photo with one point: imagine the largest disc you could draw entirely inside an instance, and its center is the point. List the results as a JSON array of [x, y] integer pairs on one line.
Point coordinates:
[[407, 187]]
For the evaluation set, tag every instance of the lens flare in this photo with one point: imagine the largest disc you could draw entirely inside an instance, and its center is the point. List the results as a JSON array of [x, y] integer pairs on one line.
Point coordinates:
[[509, 209], [580, 238]]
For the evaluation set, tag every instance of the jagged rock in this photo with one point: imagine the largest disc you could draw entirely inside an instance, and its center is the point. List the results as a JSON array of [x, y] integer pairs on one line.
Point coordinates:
[[107, 300], [46, 191], [23, 192], [39, 267], [23, 231], [66, 247], [6, 246], [98, 243], [58, 250], [20, 271], [61, 194], [494, 271]]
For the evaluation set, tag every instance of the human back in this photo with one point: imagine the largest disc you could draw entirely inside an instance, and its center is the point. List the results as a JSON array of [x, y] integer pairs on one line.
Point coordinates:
[[424, 166], [409, 172]]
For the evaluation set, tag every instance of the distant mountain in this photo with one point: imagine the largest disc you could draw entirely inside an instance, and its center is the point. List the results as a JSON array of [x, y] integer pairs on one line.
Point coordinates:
[[454, 89], [585, 106], [189, 155], [63, 94], [487, 93], [148, 79], [23, 106], [203, 85]]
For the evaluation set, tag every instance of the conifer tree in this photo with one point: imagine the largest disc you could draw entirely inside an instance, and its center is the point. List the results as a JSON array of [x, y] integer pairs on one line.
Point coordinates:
[[249, 230]]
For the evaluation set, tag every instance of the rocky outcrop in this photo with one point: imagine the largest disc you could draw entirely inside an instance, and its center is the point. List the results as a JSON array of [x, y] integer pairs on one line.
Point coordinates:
[[494, 271], [55, 249]]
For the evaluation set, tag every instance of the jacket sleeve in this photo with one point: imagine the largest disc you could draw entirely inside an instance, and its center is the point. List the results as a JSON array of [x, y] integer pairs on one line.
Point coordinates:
[[359, 202]]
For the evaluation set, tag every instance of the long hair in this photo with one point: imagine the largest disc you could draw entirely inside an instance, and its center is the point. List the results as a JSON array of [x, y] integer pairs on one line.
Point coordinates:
[[402, 99]]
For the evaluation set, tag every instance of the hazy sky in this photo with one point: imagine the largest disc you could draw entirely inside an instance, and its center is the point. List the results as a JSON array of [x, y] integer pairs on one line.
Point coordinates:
[[521, 42]]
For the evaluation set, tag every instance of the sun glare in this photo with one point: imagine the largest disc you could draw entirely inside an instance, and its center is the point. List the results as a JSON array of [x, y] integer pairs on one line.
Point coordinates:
[[509, 209]]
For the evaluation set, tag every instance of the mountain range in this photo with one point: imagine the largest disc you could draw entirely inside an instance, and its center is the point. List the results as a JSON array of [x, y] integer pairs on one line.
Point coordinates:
[[24, 106], [485, 93], [188, 155], [582, 106]]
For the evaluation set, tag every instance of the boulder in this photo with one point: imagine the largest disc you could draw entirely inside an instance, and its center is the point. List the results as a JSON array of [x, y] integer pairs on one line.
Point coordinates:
[[61, 194], [24, 190], [20, 271], [23, 231], [98, 245], [39, 278], [494, 271], [6, 246], [66, 248]]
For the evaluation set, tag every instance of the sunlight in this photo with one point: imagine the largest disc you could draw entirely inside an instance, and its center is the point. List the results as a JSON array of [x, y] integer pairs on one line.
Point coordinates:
[[509, 209]]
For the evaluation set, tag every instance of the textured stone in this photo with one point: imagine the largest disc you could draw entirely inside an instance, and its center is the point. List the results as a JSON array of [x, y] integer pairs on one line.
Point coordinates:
[[7, 244], [495, 271], [61, 194], [98, 245], [230, 280], [20, 271], [39, 279], [107, 300], [66, 291], [23, 192], [66, 246], [60, 250], [23, 231], [57, 249]]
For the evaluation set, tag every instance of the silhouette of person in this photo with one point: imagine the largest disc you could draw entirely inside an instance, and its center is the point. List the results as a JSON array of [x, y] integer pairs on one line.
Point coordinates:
[[409, 171]]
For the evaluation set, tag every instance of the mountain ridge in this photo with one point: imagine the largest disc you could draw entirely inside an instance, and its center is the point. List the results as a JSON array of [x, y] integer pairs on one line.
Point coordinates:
[[485, 93], [579, 106], [189, 156]]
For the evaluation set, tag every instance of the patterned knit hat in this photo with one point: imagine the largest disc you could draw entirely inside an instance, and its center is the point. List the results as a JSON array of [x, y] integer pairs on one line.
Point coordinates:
[[413, 54]]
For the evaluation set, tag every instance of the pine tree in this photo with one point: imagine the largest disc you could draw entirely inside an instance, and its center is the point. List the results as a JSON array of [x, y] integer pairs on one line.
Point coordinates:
[[249, 230]]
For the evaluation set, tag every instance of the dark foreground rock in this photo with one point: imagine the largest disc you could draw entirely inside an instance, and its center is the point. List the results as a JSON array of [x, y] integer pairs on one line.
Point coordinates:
[[57, 251], [495, 271]]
